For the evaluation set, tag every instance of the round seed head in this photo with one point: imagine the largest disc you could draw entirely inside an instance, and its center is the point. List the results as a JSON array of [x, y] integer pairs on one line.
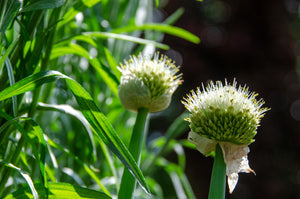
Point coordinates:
[[225, 113], [148, 83]]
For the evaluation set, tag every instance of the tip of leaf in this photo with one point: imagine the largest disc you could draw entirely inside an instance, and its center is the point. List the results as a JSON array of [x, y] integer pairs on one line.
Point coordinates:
[[157, 3]]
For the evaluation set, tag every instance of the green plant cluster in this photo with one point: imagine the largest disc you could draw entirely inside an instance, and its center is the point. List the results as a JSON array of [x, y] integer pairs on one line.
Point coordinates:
[[63, 130]]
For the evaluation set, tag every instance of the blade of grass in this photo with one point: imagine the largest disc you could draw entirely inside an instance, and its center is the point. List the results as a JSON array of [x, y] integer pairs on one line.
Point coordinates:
[[111, 62], [25, 176], [178, 127], [67, 109], [174, 16], [172, 30], [77, 159], [110, 80], [8, 13], [181, 185], [42, 5], [60, 190], [11, 82], [35, 129], [89, 109], [126, 38], [79, 6]]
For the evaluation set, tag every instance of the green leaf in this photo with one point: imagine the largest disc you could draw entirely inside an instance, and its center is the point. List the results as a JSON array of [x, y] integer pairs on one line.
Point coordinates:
[[127, 38], [75, 9], [8, 13], [60, 191], [42, 5], [110, 80], [67, 109], [172, 30], [77, 159], [178, 127], [30, 83], [36, 129], [10, 73], [157, 3], [89, 109], [112, 62], [25, 176], [180, 182]]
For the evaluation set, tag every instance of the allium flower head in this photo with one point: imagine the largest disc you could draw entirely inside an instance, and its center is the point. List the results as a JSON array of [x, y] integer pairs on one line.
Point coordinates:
[[148, 83], [228, 115]]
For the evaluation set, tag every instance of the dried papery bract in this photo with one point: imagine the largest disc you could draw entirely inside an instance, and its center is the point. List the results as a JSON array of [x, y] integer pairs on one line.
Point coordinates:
[[226, 115], [148, 83]]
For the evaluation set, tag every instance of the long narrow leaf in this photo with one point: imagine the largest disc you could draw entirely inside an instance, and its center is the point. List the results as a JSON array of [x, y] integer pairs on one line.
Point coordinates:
[[36, 129], [67, 109], [43, 4], [172, 30], [5, 60], [91, 112], [107, 77], [25, 176], [11, 82], [77, 159], [8, 13], [61, 190], [127, 38], [105, 130], [75, 9]]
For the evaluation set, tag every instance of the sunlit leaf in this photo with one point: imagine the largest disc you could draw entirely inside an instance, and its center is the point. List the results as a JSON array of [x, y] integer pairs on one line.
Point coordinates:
[[25, 176], [43, 4], [79, 6], [77, 159], [172, 30], [60, 191], [67, 109], [37, 131], [8, 13], [91, 112], [108, 78], [127, 38]]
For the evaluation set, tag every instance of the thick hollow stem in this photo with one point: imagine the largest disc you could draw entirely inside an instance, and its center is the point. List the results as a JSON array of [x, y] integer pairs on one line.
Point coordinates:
[[128, 182], [218, 177]]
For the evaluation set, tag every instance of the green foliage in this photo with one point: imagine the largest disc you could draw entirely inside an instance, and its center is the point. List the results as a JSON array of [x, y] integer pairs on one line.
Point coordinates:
[[60, 190], [62, 125]]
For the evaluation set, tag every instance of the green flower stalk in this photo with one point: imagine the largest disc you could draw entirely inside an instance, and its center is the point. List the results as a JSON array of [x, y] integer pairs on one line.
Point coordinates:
[[226, 115], [146, 86], [148, 83]]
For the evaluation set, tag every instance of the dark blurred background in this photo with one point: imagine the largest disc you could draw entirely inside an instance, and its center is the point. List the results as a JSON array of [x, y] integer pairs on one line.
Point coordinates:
[[257, 43]]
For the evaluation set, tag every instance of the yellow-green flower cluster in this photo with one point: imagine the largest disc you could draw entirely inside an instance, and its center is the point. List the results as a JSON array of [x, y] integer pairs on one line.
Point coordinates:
[[148, 83], [225, 113], [228, 116]]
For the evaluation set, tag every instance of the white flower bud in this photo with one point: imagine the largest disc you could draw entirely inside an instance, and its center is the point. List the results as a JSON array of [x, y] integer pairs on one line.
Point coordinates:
[[147, 83]]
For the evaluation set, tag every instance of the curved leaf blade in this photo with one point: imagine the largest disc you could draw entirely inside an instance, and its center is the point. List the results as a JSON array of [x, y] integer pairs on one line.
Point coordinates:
[[60, 190], [25, 176], [43, 4], [67, 109], [35, 129], [8, 13], [91, 112], [110, 80], [127, 38], [172, 30]]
